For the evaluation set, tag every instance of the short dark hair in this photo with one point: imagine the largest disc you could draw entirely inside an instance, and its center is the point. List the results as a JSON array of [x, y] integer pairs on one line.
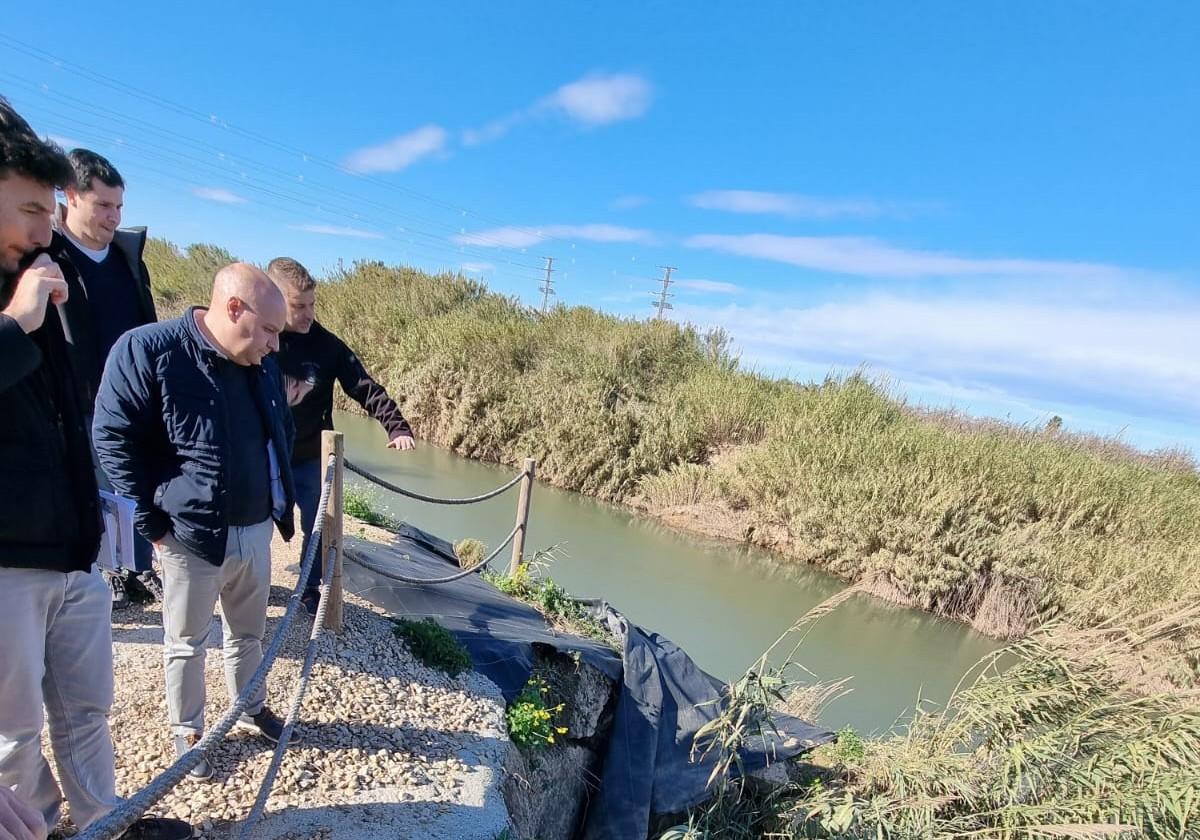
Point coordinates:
[[25, 154], [289, 271], [90, 167]]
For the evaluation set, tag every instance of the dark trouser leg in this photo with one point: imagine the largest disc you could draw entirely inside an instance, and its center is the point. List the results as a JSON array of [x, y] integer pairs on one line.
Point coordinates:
[[143, 553], [307, 478]]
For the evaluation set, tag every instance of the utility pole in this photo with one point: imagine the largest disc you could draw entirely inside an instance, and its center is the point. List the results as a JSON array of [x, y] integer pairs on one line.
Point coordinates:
[[547, 287], [663, 303]]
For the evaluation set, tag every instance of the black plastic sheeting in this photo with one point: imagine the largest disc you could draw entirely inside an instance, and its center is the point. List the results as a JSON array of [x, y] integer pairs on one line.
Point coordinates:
[[664, 697]]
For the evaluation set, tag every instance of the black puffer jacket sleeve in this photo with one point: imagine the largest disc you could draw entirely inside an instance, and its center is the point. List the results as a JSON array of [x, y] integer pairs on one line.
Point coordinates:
[[364, 390], [20, 356]]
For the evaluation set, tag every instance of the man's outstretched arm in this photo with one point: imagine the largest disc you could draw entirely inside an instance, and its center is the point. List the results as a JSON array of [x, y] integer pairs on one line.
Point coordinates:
[[364, 390]]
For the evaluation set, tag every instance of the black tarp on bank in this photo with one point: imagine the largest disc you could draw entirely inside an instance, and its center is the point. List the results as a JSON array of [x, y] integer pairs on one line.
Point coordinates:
[[664, 697]]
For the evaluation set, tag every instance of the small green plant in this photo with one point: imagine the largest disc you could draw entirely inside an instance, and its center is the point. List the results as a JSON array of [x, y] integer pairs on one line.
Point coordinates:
[[530, 721], [357, 503], [531, 584], [433, 645], [851, 748]]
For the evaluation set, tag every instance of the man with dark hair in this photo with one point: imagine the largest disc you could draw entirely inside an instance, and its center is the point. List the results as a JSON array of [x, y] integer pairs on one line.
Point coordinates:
[[110, 295], [311, 358], [55, 634], [192, 424]]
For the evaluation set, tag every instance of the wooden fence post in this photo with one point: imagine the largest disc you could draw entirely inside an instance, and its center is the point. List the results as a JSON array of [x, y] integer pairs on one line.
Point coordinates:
[[332, 443], [526, 490]]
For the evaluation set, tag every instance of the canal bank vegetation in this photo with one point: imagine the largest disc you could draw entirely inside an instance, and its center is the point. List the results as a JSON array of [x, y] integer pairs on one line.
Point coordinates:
[[1068, 732], [997, 525]]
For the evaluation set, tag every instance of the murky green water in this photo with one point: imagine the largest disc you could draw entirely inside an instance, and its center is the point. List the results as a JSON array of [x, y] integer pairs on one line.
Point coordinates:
[[721, 602]]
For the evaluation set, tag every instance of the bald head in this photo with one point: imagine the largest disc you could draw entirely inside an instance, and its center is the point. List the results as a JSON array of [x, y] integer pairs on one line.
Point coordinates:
[[246, 313]]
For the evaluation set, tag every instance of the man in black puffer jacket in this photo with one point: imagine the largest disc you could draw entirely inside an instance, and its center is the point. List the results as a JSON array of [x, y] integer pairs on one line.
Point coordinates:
[[110, 294], [311, 358], [55, 636]]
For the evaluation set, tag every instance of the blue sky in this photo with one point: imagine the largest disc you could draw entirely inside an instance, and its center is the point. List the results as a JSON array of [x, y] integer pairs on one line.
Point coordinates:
[[996, 205]]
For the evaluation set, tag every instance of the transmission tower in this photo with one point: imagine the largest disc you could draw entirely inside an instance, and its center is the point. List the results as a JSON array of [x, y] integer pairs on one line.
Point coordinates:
[[547, 287], [663, 303]]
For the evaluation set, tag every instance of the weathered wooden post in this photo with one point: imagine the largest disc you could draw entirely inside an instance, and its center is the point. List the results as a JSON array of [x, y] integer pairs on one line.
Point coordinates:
[[333, 444], [526, 490]]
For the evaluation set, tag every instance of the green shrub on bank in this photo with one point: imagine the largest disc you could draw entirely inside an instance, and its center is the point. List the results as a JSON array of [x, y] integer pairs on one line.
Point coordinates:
[[357, 503], [976, 520], [433, 645]]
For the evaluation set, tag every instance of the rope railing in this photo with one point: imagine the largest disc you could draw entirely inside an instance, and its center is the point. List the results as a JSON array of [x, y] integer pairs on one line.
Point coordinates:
[[356, 558], [117, 821], [289, 724], [421, 497]]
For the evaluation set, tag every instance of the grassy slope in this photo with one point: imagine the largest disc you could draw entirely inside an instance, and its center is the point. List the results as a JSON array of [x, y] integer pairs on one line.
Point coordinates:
[[976, 521]]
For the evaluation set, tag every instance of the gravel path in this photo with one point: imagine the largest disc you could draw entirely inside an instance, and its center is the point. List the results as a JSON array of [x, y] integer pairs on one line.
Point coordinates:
[[389, 747]]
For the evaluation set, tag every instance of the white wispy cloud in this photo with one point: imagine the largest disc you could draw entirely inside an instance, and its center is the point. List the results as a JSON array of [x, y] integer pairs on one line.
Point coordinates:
[[476, 267], [718, 287], [514, 236], [797, 206], [493, 130], [595, 100], [399, 152], [218, 194], [628, 202], [337, 230], [1126, 353], [600, 99], [869, 257]]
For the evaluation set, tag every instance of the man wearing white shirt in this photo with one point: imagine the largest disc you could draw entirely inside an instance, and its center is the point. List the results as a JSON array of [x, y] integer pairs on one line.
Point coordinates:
[[110, 295]]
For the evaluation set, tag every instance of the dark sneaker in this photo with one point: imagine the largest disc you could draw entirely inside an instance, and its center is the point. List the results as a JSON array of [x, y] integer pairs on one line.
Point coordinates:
[[116, 585], [157, 828], [311, 599], [266, 723], [150, 583], [203, 771]]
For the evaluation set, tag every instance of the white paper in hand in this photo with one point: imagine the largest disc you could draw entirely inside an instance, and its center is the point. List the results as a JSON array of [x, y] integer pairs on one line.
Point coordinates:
[[116, 550]]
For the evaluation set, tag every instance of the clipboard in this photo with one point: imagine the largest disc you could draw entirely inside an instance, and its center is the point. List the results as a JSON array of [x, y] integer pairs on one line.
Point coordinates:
[[118, 529]]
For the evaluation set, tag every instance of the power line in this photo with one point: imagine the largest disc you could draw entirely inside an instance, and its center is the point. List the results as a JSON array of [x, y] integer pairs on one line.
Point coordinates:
[[287, 212], [242, 180], [289, 201], [300, 182], [213, 121]]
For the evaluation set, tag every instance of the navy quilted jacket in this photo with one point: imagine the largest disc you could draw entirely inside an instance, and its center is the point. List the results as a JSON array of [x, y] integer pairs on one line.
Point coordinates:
[[161, 432]]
